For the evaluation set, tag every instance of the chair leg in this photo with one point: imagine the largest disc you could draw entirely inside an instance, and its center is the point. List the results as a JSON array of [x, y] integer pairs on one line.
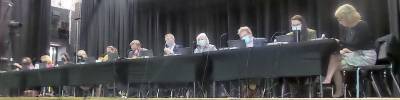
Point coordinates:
[[214, 90], [139, 93], [93, 92], [283, 88], [74, 91], [264, 88], [193, 90], [386, 83], [396, 84], [374, 85], [171, 93], [157, 94], [239, 89], [321, 90], [127, 90], [225, 91], [114, 90], [310, 88], [344, 85], [358, 82]]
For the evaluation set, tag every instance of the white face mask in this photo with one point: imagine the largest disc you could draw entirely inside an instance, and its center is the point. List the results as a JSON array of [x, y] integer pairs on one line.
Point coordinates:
[[202, 43], [296, 28]]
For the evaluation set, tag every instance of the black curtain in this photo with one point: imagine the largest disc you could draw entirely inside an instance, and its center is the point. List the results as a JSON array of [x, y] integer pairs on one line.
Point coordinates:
[[4, 19], [117, 22], [394, 48], [31, 40]]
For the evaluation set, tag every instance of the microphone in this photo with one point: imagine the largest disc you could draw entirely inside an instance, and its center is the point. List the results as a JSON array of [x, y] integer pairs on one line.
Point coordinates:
[[220, 39]]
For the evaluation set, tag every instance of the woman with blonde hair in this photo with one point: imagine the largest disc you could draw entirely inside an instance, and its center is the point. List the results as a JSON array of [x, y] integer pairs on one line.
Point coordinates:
[[82, 57], [46, 59], [357, 46]]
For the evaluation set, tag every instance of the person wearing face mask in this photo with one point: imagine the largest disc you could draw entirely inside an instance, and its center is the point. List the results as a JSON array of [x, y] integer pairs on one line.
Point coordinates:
[[298, 25], [203, 44], [171, 48], [246, 35], [250, 87]]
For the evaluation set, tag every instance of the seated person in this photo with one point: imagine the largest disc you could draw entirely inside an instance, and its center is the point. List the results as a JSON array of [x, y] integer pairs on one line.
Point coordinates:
[[171, 48], [111, 54], [26, 64], [46, 59], [65, 59], [246, 35], [299, 24], [136, 50], [82, 57], [357, 46], [203, 44]]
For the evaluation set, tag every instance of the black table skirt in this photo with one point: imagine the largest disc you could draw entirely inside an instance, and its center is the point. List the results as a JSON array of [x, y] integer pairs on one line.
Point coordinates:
[[297, 59]]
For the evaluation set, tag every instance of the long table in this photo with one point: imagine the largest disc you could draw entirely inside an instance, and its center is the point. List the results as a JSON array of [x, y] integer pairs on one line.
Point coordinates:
[[297, 59]]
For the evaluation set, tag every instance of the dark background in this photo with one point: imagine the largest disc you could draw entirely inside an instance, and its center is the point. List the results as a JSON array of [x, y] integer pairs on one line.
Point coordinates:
[[117, 22], [32, 39]]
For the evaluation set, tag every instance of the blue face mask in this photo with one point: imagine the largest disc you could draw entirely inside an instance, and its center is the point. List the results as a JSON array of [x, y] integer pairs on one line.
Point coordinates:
[[247, 39]]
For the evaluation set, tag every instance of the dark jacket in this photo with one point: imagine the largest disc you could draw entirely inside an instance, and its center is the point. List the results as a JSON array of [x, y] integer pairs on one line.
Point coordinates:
[[141, 53]]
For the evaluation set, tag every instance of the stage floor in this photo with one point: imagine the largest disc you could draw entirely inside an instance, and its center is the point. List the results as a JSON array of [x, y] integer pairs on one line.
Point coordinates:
[[110, 98]]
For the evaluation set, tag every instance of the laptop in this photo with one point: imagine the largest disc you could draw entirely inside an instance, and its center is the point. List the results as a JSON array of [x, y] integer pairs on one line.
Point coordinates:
[[236, 44], [186, 51], [259, 42], [285, 38]]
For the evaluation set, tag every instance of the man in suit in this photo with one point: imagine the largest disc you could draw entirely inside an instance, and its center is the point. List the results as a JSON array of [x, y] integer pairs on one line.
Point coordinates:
[[136, 50], [171, 48], [246, 35]]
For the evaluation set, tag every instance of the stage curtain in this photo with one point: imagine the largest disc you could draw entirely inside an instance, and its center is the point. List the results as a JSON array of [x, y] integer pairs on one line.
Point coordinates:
[[118, 22]]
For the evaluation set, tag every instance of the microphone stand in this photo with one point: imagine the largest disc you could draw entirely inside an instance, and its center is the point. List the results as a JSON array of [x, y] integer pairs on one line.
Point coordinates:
[[220, 39], [296, 31], [297, 36], [77, 39]]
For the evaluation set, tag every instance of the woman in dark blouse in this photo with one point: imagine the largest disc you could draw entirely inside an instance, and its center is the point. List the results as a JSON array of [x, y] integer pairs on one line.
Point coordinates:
[[357, 46], [358, 37]]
